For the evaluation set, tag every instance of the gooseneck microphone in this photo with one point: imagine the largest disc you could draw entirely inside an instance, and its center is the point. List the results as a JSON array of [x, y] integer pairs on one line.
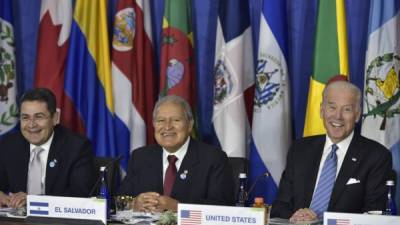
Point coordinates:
[[99, 177], [266, 174]]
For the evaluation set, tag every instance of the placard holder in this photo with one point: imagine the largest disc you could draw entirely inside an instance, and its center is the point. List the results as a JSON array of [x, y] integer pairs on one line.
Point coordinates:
[[62, 221]]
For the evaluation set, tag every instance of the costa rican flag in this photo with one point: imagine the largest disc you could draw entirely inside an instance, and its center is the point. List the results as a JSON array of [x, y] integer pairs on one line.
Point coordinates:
[[39, 208], [191, 217]]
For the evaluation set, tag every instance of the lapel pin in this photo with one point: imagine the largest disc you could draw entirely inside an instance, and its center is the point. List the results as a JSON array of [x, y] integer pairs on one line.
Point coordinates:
[[53, 163], [354, 159], [184, 175]]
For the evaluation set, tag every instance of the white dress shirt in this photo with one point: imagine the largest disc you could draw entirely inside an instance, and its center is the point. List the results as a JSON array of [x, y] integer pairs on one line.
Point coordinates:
[[180, 154], [340, 153]]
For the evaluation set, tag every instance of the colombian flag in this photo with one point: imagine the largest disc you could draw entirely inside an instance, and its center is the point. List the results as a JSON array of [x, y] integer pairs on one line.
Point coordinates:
[[88, 75]]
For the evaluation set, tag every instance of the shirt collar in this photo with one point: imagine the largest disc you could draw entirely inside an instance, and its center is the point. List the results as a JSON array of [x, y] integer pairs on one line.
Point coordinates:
[[342, 145], [180, 153], [45, 146]]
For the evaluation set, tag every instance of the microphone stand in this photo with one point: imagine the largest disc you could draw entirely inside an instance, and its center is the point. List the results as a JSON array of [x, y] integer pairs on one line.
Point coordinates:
[[99, 177], [266, 174]]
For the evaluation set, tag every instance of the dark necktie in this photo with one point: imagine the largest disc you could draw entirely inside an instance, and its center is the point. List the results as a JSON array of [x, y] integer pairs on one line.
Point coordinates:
[[320, 201], [170, 175]]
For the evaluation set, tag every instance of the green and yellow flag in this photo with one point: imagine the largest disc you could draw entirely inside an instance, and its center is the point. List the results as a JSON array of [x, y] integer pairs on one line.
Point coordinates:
[[330, 58]]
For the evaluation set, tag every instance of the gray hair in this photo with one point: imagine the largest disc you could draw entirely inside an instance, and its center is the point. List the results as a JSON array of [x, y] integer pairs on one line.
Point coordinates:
[[345, 85], [176, 100]]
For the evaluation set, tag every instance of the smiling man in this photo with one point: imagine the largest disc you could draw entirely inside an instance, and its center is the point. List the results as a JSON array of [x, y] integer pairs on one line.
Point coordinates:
[[338, 172], [178, 168], [43, 158]]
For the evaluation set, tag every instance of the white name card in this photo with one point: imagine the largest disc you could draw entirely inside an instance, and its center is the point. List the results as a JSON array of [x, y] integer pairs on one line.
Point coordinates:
[[331, 218], [67, 207], [189, 214]]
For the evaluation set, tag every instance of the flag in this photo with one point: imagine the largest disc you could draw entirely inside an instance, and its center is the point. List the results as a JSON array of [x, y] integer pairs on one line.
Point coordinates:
[[190, 217], [330, 58], [133, 76], [88, 82], [271, 117], [52, 47], [338, 222], [8, 80], [177, 57], [39, 208], [233, 74], [381, 105]]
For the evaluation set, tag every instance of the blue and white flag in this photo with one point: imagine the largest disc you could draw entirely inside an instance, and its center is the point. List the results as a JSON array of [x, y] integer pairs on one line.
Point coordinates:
[[8, 81], [381, 112], [39, 208], [271, 116], [233, 69]]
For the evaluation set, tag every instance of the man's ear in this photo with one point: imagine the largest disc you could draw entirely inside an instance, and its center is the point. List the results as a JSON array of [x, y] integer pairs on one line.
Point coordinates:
[[57, 116]]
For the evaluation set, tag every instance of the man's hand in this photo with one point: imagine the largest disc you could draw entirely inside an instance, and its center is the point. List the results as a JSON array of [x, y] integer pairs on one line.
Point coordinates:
[[146, 202], [4, 200], [17, 200], [167, 203], [302, 215], [154, 202]]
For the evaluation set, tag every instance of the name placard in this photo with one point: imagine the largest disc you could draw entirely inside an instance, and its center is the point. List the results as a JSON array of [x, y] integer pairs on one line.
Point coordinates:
[[222, 215], [331, 218], [67, 207]]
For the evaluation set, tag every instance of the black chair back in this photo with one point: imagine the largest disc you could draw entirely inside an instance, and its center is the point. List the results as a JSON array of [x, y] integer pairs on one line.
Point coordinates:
[[112, 173]]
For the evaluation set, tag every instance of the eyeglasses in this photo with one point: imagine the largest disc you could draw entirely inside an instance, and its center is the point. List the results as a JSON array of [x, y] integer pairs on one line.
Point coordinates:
[[37, 118]]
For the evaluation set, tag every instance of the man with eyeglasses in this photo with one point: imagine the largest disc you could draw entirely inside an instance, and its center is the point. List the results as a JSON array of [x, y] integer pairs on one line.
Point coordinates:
[[44, 157]]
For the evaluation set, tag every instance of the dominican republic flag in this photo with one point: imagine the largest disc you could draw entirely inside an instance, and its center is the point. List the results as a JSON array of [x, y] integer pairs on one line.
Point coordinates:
[[233, 75], [381, 115], [271, 128], [39, 208], [52, 47], [132, 76], [8, 79], [88, 81]]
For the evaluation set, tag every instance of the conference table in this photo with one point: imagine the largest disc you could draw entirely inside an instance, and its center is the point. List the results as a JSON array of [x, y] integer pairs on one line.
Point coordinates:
[[22, 221]]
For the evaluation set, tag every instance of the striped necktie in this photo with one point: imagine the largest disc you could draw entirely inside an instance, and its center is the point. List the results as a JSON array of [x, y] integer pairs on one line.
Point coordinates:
[[320, 200], [35, 186]]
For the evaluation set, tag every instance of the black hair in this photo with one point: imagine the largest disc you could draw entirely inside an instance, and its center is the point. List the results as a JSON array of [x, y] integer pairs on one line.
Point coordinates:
[[41, 95]]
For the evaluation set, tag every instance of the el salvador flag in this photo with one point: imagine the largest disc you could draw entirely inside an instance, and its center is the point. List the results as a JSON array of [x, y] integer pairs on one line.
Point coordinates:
[[39, 208], [271, 116]]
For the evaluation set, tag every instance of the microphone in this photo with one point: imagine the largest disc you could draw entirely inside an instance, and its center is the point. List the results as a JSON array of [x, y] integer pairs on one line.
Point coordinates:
[[266, 174], [110, 163]]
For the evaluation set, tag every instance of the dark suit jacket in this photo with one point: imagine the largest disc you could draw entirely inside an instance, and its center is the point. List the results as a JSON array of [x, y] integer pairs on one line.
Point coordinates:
[[72, 175], [365, 160], [209, 179]]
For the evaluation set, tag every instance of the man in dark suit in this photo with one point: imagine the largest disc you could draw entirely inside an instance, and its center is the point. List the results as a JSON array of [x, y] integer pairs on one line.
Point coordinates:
[[43, 158], [202, 174], [360, 164]]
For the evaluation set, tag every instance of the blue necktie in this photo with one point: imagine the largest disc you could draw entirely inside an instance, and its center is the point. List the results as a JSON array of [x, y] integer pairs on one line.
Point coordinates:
[[320, 201]]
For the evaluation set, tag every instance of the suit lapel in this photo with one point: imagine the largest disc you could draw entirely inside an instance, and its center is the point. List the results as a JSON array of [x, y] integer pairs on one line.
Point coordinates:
[[54, 161], [157, 168], [346, 171], [312, 161], [183, 176], [24, 155]]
